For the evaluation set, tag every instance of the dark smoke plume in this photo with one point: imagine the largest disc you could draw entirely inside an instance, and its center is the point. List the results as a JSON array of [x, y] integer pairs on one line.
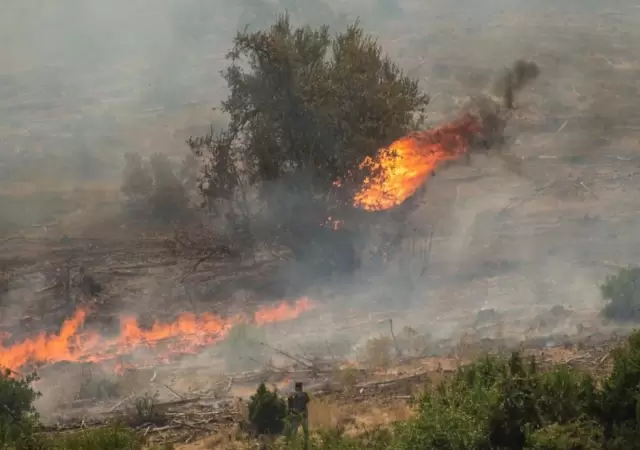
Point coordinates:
[[514, 79]]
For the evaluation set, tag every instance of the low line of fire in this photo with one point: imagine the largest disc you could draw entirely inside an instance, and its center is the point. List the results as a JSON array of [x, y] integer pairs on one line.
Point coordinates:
[[187, 334]]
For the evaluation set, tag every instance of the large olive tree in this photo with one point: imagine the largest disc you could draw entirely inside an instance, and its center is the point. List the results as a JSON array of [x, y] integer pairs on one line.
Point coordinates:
[[305, 108]]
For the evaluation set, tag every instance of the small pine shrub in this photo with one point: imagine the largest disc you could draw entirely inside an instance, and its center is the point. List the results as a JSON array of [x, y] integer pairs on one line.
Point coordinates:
[[267, 411]]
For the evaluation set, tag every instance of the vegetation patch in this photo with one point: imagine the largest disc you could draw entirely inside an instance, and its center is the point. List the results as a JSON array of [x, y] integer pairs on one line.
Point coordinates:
[[622, 291]]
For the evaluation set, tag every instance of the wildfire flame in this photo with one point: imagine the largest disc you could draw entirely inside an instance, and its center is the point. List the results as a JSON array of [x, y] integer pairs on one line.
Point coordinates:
[[399, 170], [187, 334]]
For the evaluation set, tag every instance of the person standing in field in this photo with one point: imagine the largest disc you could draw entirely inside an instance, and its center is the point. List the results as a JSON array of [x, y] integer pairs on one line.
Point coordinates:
[[298, 403]]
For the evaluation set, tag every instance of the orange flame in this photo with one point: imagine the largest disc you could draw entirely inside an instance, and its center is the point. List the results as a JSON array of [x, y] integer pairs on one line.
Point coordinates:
[[284, 311], [187, 334], [400, 169]]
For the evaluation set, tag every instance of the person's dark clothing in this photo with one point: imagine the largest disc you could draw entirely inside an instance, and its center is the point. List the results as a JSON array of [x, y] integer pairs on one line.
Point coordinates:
[[298, 403]]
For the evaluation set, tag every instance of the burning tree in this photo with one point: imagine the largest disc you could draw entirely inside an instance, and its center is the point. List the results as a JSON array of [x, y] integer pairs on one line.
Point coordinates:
[[306, 113], [301, 160]]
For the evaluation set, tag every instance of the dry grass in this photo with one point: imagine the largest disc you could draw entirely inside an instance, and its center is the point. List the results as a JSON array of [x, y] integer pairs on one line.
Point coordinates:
[[226, 439], [40, 186], [327, 413], [377, 353], [347, 376], [65, 205]]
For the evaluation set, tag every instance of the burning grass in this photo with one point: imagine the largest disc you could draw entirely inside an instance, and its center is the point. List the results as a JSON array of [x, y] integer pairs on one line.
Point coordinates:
[[188, 334]]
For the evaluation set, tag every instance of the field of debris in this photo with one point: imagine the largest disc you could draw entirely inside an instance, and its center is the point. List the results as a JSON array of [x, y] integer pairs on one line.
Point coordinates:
[[362, 348]]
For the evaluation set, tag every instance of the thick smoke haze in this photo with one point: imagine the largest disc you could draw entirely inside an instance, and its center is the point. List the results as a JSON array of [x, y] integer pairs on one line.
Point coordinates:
[[84, 81], [94, 76]]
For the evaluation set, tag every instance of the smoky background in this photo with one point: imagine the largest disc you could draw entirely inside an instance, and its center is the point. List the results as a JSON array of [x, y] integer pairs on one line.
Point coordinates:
[[84, 82]]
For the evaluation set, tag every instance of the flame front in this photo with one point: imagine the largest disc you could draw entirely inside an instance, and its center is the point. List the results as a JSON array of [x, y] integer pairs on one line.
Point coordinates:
[[399, 170], [187, 334]]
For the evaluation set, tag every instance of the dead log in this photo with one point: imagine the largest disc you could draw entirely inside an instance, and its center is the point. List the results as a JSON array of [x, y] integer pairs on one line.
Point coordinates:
[[287, 355], [422, 376]]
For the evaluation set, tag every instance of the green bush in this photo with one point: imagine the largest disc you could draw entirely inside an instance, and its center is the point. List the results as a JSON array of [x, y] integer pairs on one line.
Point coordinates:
[[19, 424], [17, 414], [512, 404], [501, 404], [267, 411], [619, 396], [112, 438], [585, 435], [622, 291]]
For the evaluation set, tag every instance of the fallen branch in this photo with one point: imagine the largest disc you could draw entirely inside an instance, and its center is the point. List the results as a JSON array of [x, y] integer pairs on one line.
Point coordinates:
[[174, 392], [183, 401], [287, 355], [387, 383], [228, 388], [395, 341], [121, 402]]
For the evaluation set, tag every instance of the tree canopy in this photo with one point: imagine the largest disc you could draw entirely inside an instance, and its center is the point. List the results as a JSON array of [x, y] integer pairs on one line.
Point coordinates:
[[305, 109]]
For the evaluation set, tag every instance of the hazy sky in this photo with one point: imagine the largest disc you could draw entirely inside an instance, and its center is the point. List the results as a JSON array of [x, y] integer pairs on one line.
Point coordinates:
[[76, 73]]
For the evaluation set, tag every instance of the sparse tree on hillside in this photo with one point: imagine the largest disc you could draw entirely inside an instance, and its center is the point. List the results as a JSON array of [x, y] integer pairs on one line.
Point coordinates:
[[304, 115], [154, 190], [137, 182], [169, 199], [255, 14], [189, 171]]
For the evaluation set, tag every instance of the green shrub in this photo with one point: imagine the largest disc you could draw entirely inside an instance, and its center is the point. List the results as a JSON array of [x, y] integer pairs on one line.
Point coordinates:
[[586, 435], [512, 404], [623, 294], [17, 414], [116, 437], [565, 394], [19, 424], [619, 396], [497, 404], [267, 411]]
